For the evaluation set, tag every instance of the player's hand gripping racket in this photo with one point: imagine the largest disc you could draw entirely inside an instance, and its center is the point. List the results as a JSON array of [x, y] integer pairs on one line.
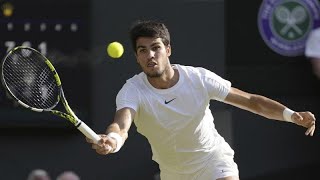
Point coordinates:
[[33, 82]]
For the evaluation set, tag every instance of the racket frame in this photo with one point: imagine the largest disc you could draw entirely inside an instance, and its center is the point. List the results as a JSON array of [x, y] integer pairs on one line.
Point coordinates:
[[70, 115]]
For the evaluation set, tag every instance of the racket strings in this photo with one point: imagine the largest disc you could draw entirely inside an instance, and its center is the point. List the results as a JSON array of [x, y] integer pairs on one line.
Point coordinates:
[[30, 79]]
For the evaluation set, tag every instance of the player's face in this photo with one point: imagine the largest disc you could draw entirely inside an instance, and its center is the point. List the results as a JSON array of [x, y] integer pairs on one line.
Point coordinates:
[[153, 56]]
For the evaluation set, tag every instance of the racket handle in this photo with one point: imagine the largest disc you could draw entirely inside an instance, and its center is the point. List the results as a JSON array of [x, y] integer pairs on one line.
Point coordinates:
[[88, 132]]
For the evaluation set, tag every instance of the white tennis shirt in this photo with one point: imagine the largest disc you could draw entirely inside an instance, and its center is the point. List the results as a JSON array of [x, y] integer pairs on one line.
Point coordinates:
[[177, 121], [313, 44]]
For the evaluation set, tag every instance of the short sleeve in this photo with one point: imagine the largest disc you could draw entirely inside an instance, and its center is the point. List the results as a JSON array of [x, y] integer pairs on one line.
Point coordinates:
[[312, 49], [217, 87], [128, 96]]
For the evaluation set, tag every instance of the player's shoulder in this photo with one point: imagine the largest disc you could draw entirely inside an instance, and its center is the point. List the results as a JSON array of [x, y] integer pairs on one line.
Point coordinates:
[[201, 74], [187, 68], [136, 80], [194, 70]]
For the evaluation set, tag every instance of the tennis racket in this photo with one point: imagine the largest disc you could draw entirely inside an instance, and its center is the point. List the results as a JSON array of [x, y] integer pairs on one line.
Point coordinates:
[[32, 81]]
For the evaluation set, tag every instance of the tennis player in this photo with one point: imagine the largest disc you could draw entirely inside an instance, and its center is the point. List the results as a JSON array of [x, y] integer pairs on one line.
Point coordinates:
[[169, 104], [312, 50]]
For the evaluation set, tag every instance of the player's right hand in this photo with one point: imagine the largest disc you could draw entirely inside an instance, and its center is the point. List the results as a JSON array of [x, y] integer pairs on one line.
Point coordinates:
[[105, 145]]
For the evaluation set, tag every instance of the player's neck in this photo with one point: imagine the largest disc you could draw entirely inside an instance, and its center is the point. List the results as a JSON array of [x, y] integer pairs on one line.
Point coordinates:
[[168, 79]]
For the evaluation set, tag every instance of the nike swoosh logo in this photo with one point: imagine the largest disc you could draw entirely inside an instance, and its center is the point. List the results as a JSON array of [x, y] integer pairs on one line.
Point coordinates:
[[167, 102]]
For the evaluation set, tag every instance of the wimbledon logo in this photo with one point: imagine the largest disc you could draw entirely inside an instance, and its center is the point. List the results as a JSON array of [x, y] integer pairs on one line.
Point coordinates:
[[285, 24]]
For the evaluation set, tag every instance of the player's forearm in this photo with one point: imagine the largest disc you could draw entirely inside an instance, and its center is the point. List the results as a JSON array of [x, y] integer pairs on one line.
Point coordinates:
[[122, 122], [118, 130], [268, 108]]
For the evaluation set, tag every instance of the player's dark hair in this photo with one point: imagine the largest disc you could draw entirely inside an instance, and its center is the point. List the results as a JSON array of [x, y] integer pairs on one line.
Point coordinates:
[[148, 28]]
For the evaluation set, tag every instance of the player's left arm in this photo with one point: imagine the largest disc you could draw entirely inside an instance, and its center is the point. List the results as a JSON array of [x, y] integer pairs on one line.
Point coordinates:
[[270, 109]]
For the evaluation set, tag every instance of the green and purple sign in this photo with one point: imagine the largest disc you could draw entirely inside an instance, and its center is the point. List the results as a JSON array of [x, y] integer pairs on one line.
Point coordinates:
[[285, 24]]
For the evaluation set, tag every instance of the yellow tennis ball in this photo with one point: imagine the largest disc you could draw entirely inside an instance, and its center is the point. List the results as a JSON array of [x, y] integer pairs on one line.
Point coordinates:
[[115, 49]]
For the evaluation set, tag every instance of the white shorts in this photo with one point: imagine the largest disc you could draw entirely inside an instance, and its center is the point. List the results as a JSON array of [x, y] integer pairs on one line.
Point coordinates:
[[221, 165]]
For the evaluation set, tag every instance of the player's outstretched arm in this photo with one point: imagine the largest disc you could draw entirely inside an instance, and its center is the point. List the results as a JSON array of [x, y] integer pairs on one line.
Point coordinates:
[[116, 133], [270, 109]]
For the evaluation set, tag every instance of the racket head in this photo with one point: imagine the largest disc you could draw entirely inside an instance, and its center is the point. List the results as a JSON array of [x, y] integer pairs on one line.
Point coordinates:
[[30, 79]]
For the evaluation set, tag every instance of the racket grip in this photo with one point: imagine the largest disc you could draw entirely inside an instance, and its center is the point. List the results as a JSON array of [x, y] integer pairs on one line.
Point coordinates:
[[88, 132]]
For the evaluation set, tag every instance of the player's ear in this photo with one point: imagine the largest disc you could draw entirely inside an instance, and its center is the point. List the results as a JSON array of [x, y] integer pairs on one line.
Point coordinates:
[[168, 49]]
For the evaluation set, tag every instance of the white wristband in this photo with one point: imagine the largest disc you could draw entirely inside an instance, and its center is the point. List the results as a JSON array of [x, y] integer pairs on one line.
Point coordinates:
[[118, 139], [287, 113]]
